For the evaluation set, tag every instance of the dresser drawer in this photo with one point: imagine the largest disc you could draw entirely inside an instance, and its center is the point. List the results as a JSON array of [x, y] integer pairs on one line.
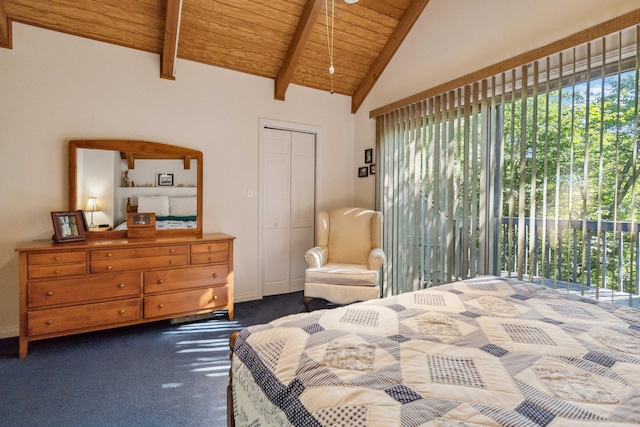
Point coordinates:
[[209, 258], [55, 258], [210, 247], [177, 303], [138, 263], [81, 290], [168, 280], [58, 270], [153, 251], [55, 320]]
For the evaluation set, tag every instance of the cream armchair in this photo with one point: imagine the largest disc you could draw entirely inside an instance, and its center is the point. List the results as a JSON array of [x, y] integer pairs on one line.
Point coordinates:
[[344, 267]]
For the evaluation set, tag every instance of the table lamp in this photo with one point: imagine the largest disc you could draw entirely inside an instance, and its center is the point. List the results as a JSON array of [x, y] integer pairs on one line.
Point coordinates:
[[92, 206]]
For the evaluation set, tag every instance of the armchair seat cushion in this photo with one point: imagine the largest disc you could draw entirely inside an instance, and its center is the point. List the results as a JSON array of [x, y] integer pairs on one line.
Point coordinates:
[[342, 274]]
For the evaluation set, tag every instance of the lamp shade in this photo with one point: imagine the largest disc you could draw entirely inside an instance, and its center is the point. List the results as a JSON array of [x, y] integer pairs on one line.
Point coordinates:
[[92, 204]]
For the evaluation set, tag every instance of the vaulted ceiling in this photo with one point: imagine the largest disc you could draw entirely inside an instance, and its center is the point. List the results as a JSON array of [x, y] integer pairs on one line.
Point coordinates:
[[284, 40]]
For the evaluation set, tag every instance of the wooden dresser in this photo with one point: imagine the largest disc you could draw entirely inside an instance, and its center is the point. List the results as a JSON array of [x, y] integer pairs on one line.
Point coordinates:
[[70, 288]]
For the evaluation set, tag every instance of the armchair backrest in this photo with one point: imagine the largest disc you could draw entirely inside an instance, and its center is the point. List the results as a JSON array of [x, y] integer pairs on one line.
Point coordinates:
[[349, 234]]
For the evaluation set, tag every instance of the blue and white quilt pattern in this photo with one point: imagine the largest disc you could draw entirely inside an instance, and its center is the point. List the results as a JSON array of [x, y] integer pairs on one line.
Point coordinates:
[[481, 352]]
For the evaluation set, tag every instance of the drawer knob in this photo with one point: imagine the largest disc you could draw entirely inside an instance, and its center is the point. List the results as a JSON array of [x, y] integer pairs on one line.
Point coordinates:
[[172, 251], [170, 261], [121, 311], [209, 248], [121, 285], [160, 305], [49, 322], [57, 258], [109, 267], [210, 259], [109, 255], [215, 297], [160, 281], [215, 275], [50, 293], [58, 271]]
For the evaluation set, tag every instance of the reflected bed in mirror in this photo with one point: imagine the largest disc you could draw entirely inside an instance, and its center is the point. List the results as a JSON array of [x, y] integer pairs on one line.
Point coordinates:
[[136, 176]]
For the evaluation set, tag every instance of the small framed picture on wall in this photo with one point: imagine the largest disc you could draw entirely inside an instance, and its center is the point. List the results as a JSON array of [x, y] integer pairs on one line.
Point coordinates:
[[165, 180], [363, 172], [368, 155], [372, 169]]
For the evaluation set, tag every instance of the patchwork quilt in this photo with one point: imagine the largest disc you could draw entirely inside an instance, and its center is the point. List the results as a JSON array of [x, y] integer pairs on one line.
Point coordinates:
[[481, 352]]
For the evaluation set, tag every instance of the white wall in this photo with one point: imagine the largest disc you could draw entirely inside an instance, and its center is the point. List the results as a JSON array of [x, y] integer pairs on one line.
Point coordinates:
[[453, 38], [55, 87]]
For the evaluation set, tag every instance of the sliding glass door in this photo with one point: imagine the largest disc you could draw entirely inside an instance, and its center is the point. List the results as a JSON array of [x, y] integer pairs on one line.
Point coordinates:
[[530, 173]]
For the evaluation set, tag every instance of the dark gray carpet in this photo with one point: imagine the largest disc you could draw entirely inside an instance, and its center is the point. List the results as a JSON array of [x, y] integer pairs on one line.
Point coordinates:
[[157, 374]]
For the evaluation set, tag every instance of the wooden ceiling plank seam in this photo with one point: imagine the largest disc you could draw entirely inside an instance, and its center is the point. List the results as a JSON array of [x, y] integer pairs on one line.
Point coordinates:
[[123, 40], [339, 64], [404, 26], [75, 26], [369, 41], [366, 14], [195, 27], [393, 9], [216, 33], [298, 43], [255, 71], [287, 6], [5, 28], [238, 47], [349, 48], [171, 36], [320, 50], [236, 60], [345, 18], [260, 15], [229, 44], [106, 11]]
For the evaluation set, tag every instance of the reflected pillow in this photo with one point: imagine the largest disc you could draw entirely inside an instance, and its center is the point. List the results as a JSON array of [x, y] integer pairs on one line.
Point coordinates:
[[156, 204], [183, 206]]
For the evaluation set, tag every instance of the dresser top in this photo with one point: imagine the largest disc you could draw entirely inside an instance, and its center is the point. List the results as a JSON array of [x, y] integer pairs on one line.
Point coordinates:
[[48, 245]]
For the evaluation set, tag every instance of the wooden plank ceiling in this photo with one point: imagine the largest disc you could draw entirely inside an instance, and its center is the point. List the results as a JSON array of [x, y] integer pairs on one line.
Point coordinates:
[[284, 40]]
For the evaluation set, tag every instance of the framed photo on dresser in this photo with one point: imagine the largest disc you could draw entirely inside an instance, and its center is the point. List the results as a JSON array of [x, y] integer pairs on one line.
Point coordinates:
[[68, 226]]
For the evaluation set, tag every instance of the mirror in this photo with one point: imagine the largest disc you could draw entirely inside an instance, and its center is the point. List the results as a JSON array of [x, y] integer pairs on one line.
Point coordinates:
[[109, 178]]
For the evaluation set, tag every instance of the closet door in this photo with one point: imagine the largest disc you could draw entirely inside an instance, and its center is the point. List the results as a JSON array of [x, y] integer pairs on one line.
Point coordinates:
[[302, 204], [288, 200], [276, 221]]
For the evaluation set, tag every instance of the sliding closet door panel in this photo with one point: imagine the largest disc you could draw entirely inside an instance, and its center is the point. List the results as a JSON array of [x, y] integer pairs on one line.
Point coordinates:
[[276, 248], [302, 204], [301, 241], [276, 266]]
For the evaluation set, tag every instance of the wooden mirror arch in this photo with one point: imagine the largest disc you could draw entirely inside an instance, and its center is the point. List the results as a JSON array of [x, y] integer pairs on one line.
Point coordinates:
[[132, 150]]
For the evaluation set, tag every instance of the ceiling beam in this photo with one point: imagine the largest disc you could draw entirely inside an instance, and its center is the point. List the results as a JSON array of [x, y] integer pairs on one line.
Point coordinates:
[[5, 28], [409, 18], [297, 45], [171, 32]]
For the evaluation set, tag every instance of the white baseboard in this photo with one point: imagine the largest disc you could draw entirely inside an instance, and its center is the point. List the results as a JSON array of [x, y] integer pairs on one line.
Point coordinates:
[[9, 332], [246, 297]]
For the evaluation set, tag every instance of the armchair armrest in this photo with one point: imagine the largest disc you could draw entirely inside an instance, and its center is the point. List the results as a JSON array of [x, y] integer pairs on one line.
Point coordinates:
[[316, 257], [376, 259]]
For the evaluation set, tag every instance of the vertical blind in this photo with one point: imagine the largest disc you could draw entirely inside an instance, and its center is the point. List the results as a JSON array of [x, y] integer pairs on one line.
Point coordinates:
[[529, 173]]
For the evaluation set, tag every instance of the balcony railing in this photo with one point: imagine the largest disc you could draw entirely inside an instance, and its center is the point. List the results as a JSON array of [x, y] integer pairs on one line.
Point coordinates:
[[595, 259]]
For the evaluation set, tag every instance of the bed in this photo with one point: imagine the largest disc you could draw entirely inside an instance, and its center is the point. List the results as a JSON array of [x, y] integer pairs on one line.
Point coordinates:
[[172, 213], [484, 351]]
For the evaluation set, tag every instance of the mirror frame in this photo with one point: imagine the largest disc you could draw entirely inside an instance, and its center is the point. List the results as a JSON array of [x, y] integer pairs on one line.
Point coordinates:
[[150, 150]]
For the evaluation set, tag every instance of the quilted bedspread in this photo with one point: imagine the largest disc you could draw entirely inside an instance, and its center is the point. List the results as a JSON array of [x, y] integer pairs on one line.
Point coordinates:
[[485, 351]]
